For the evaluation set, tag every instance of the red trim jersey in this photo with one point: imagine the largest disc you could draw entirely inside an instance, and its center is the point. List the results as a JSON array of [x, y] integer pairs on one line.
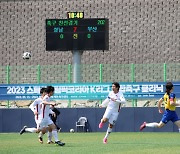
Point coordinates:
[[35, 106], [45, 109], [115, 105]]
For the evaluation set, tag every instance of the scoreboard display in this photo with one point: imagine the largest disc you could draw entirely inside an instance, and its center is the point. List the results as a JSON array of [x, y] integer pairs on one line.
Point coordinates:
[[77, 34]]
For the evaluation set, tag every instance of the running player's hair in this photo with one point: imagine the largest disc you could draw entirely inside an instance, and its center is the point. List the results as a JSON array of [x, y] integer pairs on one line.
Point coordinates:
[[116, 84], [49, 89], [169, 86], [42, 90]]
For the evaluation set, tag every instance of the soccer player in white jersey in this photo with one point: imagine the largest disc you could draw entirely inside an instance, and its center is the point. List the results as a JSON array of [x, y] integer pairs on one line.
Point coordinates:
[[113, 101], [35, 107], [44, 115]]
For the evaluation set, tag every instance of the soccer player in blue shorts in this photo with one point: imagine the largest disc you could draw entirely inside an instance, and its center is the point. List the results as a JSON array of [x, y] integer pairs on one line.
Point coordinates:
[[169, 99]]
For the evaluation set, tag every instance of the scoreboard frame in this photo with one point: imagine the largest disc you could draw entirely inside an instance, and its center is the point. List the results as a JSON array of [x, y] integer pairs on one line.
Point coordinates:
[[77, 34]]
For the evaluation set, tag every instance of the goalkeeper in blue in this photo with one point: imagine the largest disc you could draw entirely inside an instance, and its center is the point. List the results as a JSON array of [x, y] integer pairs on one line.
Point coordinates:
[[170, 106], [113, 103]]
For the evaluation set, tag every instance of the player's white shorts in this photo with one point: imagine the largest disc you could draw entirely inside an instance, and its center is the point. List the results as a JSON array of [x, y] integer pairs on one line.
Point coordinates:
[[44, 123], [111, 115]]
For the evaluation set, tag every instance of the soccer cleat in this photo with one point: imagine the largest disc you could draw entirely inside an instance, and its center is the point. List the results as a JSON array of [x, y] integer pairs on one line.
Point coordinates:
[[59, 143], [105, 140], [41, 140], [22, 130], [50, 142], [101, 125], [143, 126]]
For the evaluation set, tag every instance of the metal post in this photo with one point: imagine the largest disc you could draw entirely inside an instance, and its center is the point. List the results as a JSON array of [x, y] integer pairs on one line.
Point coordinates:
[[134, 101], [38, 73], [8, 71], [69, 73], [100, 73], [101, 76], [77, 66], [8, 81], [132, 73], [165, 72], [69, 80]]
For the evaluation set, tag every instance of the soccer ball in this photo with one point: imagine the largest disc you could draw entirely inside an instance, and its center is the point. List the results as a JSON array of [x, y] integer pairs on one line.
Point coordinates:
[[26, 55], [72, 130]]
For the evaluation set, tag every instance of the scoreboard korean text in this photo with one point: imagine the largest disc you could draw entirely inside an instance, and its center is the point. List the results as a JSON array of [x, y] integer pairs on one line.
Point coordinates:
[[77, 34]]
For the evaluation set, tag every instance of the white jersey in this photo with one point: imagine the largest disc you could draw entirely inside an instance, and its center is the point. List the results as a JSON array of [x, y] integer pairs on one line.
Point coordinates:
[[115, 105], [45, 109], [35, 106]]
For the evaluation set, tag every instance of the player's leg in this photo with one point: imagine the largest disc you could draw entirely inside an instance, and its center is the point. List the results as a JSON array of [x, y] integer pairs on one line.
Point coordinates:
[[112, 121], [103, 121], [178, 124], [26, 129], [152, 125], [166, 117], [41, 126], [105, 118], [58, 128], [54, 133], [176, 120], [40, 135], [49, 135], [109, 130]]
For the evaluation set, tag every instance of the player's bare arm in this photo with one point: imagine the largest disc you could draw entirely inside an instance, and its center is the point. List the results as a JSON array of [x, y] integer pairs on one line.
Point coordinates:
[[49, 103], [159, 105]]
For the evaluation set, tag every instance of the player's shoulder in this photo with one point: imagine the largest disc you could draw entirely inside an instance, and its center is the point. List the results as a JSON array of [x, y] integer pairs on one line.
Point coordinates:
[[46, 97], [111, 93], [165, 95], [172, 95], [36, 100], [39, 99], [120, 93]]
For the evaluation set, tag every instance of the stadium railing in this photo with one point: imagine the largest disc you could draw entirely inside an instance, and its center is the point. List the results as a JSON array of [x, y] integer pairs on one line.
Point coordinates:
[[90, 73]]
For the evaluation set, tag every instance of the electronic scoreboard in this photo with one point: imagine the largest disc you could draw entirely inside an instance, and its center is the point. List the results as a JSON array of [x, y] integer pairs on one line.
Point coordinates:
[[77, 33]]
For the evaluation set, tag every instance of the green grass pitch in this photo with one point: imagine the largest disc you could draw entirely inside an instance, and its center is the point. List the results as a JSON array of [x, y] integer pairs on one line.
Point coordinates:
[[91, 143]]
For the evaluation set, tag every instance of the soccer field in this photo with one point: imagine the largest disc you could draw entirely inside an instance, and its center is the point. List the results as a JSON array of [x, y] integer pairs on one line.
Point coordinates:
[[91, 143]]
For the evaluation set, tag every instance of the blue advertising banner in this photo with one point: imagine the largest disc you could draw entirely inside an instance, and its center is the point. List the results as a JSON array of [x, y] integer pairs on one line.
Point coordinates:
[[93, 91]]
